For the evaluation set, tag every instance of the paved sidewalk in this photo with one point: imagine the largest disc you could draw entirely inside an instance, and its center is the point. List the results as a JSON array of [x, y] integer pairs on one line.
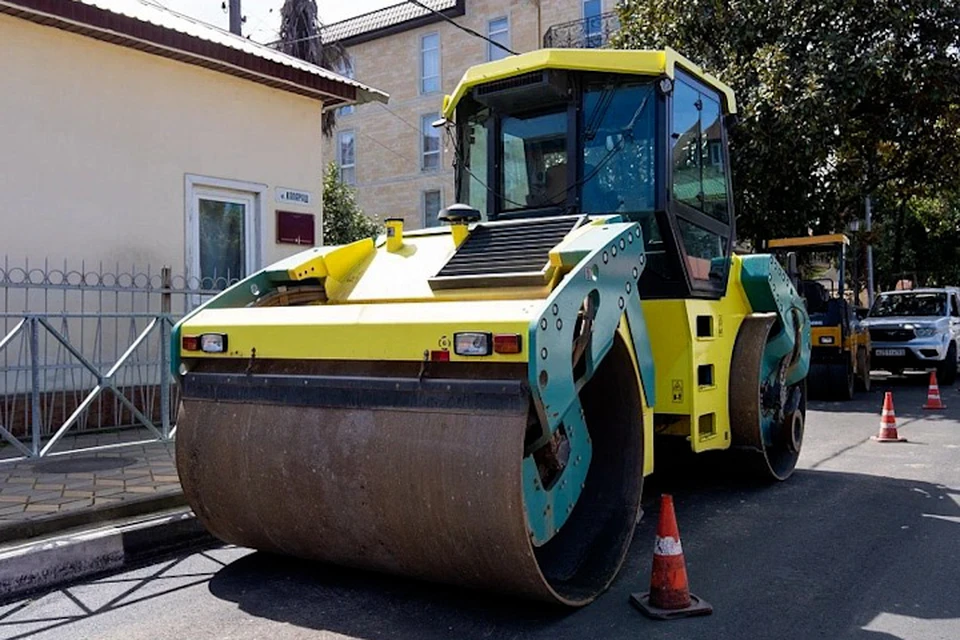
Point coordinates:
[[66, 485]]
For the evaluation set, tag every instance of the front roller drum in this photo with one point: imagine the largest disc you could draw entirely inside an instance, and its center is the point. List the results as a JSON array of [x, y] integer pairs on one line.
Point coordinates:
[[432, 493], [767, 414]]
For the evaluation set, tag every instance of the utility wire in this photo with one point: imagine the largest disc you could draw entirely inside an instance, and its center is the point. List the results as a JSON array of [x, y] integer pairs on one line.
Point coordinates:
[[401, 118], [461, 27], [417, 3], [394, 152]]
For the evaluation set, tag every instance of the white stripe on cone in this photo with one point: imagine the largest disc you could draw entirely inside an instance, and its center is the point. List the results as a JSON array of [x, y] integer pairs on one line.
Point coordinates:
[[667, 547]]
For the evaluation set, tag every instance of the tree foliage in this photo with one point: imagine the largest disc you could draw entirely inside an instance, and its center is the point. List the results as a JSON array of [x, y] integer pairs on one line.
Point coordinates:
[[343, 221], [300, 36], [838, 99]]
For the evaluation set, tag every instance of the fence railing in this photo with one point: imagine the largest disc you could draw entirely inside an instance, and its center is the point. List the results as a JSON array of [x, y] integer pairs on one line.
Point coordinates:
[[86, 350], [588, 33]]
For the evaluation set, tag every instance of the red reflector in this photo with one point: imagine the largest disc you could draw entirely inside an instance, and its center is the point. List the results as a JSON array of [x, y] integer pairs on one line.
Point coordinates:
[[191, 343], [506, 343], [442, 356]]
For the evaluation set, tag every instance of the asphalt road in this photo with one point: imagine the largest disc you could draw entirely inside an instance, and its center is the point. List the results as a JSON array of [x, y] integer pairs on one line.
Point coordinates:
[[862, 543]]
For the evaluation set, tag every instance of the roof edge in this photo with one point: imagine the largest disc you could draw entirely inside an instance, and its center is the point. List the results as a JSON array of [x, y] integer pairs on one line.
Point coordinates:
[[123, 30], [456, 11]]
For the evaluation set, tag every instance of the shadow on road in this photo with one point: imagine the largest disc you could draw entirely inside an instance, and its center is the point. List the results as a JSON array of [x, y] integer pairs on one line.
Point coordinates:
[[823, 555]]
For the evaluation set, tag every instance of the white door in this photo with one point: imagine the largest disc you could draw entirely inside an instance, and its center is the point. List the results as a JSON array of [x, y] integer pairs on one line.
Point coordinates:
[[222, 238]]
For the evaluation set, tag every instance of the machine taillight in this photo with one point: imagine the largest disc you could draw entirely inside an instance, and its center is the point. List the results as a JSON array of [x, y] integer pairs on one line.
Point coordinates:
[[471, 343], [506, 343], [206, 342], [440, 356]]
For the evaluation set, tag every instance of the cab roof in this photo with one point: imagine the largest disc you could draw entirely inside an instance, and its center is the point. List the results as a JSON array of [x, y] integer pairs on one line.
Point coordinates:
[[637, 62], [809, 241]]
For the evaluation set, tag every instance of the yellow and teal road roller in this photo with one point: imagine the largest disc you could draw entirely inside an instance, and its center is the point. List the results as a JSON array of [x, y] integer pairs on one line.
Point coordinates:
[[477, 403]]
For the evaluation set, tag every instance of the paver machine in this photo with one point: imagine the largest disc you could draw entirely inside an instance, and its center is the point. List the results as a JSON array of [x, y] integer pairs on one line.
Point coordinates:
[[840, 361], [476, 403]]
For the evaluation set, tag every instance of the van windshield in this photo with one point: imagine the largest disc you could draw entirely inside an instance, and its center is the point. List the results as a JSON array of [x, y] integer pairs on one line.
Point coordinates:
[[909, 304]]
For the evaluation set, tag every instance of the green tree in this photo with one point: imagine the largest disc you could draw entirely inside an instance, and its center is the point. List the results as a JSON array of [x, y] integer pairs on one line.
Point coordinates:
[[300, 36], [838, 99], [343, 221]]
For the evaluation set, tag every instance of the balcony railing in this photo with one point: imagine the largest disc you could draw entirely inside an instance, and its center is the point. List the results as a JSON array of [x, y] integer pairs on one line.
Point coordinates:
[[588, 33]]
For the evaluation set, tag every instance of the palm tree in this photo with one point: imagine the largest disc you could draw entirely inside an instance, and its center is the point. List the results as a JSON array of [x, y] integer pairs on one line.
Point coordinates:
[[300, 36]]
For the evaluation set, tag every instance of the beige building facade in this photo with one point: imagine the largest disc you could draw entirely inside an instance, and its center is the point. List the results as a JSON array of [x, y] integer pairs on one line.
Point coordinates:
[[173, 143], [400, 164]]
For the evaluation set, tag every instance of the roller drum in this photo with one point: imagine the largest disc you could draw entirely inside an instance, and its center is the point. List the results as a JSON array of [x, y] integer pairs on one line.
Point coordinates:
[[435, 494]]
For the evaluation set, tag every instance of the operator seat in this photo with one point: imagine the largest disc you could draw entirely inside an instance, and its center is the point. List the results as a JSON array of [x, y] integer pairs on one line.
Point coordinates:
[[816, 296]]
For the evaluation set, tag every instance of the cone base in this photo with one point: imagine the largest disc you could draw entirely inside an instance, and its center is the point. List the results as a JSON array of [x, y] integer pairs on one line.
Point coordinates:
[[934, 407], [882, 439], [697, 607]]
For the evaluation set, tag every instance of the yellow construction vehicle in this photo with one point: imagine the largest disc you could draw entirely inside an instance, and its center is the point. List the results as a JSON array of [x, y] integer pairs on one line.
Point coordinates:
[[840, 362], [477, 403]]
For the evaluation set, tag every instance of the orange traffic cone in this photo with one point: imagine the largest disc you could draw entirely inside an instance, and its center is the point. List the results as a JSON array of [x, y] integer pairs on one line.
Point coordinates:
[[888, 422], [669, 595], [933, 394]]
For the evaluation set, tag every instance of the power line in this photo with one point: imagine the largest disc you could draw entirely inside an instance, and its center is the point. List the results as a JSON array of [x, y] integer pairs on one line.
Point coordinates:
[[417, 3], [396, 153], [461, 27], [401, 118]]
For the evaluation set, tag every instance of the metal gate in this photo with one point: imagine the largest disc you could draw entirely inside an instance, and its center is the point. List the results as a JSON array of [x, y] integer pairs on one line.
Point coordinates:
[[85, 351]]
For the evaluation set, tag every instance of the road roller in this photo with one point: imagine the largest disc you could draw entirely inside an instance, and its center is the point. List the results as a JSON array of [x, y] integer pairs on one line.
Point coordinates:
[[476, 403], [840, 357]]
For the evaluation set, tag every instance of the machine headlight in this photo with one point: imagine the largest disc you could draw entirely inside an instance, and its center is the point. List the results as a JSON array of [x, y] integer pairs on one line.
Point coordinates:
[[925, 332], [213, 343], [826, 339], [471, 344]]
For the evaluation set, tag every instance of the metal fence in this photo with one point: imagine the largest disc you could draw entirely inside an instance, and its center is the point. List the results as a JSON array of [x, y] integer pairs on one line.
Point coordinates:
[[85, 349], [587, 33]]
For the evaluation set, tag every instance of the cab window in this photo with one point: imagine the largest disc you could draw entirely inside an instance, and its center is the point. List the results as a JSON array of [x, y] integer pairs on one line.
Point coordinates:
[[699, 171], [699, 184], [534, 164]]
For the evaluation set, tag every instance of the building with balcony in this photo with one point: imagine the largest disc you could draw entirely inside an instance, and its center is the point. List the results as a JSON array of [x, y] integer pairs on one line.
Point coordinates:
[[400, 164]]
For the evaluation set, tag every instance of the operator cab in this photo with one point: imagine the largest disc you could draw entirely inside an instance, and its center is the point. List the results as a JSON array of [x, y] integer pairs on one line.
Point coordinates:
[[650, 148], [822, 263]]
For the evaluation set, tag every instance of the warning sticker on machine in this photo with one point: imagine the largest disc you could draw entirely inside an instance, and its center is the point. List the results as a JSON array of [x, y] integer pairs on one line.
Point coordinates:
[[678, 390]]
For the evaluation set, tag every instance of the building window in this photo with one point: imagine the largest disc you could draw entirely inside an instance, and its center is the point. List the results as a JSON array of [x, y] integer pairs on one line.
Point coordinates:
[[499, 31], [592, 23], [430, 63], [344, 67], [347, 157], [432, 203], [430, 142]]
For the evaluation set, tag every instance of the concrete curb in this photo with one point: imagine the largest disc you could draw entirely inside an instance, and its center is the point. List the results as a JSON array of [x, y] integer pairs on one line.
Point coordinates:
[[59, 522], [45, 564]]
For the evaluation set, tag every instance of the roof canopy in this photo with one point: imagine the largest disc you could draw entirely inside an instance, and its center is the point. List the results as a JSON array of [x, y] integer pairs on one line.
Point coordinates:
[[639, 62], [148, 27]]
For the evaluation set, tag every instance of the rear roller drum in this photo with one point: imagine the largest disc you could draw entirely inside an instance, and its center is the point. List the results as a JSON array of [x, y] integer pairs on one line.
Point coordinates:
[[767, 412], [434, 492], [863, 373], [843, 379]]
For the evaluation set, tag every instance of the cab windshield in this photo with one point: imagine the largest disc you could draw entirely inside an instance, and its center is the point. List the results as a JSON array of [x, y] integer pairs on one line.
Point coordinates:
[[909, 304], [616, 140]]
